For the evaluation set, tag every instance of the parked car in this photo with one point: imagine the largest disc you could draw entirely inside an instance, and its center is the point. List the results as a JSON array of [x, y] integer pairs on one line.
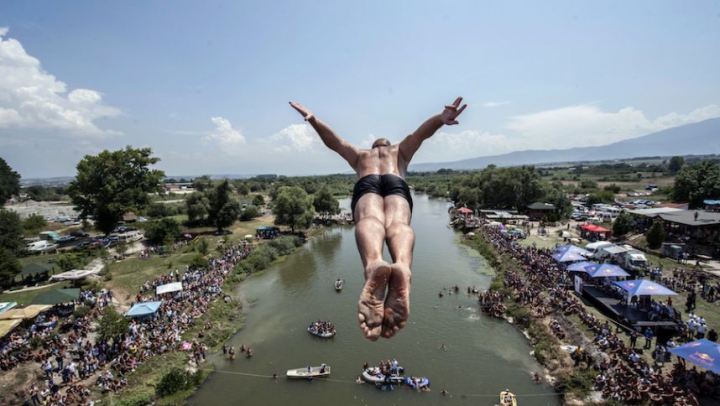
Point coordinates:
[[66, 238], [79, 234], [83, 245]]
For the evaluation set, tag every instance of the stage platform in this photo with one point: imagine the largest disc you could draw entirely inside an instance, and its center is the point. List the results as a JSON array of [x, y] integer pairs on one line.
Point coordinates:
[[611, 306]]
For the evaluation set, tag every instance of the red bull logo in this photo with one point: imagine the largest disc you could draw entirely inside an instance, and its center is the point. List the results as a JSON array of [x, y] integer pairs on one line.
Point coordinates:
[[702, 359]]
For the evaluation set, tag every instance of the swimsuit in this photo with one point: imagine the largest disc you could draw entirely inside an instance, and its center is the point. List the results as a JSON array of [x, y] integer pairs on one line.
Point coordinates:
[[383, 185]]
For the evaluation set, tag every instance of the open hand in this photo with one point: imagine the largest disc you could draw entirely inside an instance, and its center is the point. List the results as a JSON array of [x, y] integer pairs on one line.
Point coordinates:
[[451, 112], [307, 114]]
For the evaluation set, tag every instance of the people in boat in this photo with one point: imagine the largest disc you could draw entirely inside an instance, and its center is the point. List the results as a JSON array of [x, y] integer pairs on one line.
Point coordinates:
[[231, 351], [310, 369], [338, 283], [507, 397], [322, 328], [323, 368]]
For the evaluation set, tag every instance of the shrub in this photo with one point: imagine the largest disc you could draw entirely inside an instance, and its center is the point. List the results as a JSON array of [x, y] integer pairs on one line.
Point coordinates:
[[136, 399], [173, 382]]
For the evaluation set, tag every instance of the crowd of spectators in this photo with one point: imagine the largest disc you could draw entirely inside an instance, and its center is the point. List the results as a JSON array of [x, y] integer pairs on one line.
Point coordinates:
[[623, 375], [68, 363]]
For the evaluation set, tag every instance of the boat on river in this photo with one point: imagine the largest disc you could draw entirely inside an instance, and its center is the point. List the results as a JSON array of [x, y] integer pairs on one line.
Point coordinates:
[[339, 284], [373, 375], [322, 329], [309, 372], [507, 398], [417, 383]]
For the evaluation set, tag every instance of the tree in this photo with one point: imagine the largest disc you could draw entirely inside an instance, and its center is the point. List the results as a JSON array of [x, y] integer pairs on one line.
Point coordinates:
[[34, 223], [158, 210], [68, 262], [112, 183], [697, 182], [9, 265], [223, 211], [258, 200], [229, 212], [160, 232], [112, 324], [293, 207], [623, 224], [198, 206], [249, 213], [9, 182], [676, 163], [10, 232], [656, 234], [325, 203]]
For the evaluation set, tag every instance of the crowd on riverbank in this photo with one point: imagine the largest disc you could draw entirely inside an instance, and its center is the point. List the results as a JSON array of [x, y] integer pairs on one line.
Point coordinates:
[[622, 375], [71, 362]]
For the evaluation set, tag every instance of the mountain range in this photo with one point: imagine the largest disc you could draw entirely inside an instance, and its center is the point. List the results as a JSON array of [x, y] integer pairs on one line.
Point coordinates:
[[702, 138]]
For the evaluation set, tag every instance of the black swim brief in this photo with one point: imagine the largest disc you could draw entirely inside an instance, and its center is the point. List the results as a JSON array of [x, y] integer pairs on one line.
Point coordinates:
[[383, 185]]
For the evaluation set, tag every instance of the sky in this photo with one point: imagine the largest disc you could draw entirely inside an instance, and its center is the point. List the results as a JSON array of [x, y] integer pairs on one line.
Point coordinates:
[[206, 84]]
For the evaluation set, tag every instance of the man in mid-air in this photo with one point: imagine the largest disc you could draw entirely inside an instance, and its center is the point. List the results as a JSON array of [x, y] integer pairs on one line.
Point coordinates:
[[382, 209]]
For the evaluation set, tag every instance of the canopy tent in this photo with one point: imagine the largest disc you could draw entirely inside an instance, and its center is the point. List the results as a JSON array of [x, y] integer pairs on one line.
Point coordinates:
[[494, 224], [606, 270], [645, 287], [464, 210], [583, 266], [29, 312], [73, 275], [57, 296], [170, 287], [7, 326], [5, 306], [143, 309], [703, 352], [569, 253], [599, 229], [594, 228]]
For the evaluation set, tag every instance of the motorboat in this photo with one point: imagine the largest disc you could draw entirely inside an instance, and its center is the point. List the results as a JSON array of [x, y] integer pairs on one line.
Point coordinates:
[[374, 376], [318, 331], [309, 372], [339, 284]]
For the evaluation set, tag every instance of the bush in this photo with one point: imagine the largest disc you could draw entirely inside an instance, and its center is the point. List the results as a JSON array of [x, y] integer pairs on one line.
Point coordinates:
[[174, 381], [578, 382], [136, 399], [81, 311], [249, 213], [656, 235]]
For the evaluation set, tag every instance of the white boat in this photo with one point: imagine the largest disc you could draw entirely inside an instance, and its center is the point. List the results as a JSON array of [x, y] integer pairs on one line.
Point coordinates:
[[339, 284], [419, 382], [309, 372], [507, 398], [370, 375]]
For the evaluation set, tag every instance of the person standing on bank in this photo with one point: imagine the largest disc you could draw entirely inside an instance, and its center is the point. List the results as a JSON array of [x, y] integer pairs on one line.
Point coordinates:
[[382, 209]]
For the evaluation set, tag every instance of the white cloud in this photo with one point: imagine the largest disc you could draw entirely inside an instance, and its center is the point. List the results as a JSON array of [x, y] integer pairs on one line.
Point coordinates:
[[33, 99], [225, 135], [445, 146], [496, 103], [587, 125], [295, 137]]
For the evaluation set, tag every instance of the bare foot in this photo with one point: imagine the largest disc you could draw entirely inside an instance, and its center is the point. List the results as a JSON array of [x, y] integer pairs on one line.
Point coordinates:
[[397, 303], [370, 305]]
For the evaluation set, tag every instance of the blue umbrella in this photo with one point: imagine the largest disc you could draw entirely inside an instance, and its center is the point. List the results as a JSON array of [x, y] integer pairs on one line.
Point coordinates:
[[645, 287], [606, 270], [704, 353], [569, 253], [583, 266]]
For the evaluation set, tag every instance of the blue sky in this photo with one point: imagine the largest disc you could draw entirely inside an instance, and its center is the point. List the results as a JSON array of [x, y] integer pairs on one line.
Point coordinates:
[[206, 84]]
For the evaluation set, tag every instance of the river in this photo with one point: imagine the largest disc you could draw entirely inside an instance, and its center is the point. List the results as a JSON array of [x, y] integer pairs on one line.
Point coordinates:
[[481, 356]]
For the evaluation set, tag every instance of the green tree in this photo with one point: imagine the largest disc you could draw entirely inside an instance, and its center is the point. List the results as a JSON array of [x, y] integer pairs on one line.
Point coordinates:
[[223, 210], [9, 182], [202, 183], [697, 182], [229, 212], [249, 213], [656, 234], [623, 224], [34, 223], [203, 246], [293, 207], [325, 203], [199, 262], [11, 232], [158, 210], [198, 206], [258, 200], [112, 183], [600, 197], [9, 265], [112, 324], [676, 163], [68, 262], [160, 232]]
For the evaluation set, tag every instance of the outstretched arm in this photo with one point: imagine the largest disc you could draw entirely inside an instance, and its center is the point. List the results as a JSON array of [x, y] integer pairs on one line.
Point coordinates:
[[346, 150], [412, 142]]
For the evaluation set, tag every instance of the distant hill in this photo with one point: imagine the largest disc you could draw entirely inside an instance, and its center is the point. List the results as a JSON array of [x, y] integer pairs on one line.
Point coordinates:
[[701, 138]]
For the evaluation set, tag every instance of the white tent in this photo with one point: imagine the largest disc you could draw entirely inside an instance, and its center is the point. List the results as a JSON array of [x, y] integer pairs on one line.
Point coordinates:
[[72, 275], [170, 287]]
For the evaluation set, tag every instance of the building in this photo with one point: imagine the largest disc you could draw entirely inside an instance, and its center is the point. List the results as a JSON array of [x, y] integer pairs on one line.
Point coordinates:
[[538, 210]]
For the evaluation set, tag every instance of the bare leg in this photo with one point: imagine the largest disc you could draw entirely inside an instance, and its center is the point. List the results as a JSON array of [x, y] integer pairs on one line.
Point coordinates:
[[370, 237], [401, 241]]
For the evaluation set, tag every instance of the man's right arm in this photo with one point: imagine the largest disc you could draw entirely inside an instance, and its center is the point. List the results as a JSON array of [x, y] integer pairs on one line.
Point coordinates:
[[346, 150], [412, 142]]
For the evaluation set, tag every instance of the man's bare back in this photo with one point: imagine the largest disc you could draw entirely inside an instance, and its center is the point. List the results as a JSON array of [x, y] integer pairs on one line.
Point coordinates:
[[382, 209]]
